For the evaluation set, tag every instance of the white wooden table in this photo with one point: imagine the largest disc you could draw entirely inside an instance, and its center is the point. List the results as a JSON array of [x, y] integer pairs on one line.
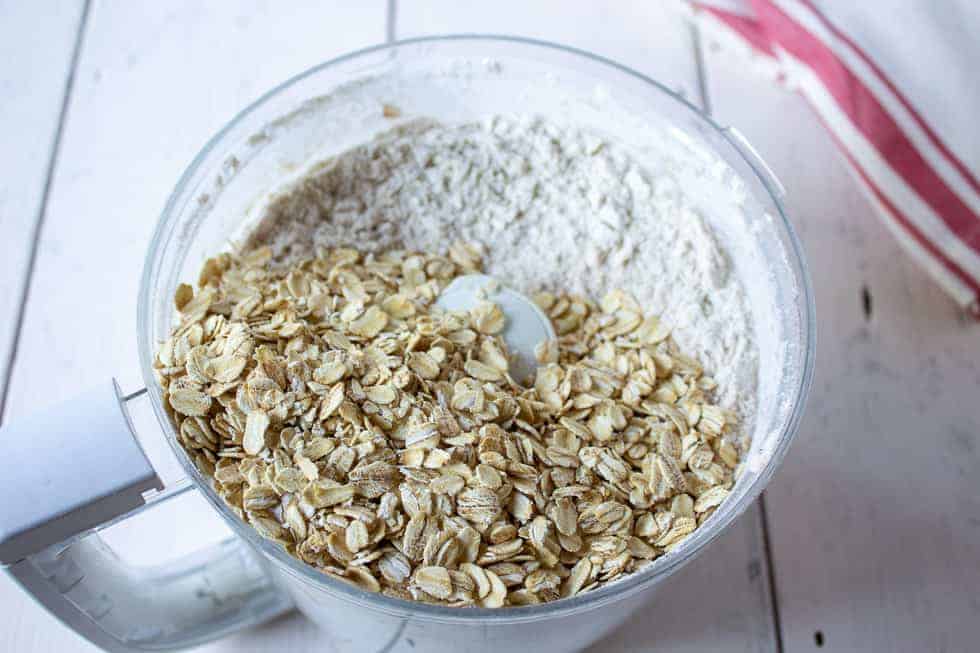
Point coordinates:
[[867, 539]]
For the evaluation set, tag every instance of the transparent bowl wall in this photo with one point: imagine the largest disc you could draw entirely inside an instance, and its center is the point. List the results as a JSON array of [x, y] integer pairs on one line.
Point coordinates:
[[338, 104]]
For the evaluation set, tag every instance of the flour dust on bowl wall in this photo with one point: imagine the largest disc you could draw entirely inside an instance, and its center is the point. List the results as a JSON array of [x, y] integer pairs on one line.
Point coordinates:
[[412, 476]]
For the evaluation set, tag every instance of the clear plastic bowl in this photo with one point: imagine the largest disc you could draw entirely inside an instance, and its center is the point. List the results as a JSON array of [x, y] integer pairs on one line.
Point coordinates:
[[338, 104]]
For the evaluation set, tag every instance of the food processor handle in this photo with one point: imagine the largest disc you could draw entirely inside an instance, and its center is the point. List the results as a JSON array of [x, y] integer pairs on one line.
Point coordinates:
[[76, 468]]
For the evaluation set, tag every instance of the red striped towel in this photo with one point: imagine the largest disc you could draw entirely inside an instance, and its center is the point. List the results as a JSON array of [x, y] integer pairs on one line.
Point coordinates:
[[897, 86]]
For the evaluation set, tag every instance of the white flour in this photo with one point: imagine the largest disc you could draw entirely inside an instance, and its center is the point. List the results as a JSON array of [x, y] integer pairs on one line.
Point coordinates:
[[556, 207]]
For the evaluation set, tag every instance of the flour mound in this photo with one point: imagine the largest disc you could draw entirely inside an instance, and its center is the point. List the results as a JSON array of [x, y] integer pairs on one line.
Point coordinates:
[[558, 208]]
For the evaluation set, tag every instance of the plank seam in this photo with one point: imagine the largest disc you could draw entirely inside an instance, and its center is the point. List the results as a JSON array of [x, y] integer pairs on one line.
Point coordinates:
[[42, 209], [699, 66], [391, 16], [769, 570]]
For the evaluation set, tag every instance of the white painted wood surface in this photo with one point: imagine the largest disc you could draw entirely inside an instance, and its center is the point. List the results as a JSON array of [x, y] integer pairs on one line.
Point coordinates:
[[652, 37], [33, 83], [875, 517]]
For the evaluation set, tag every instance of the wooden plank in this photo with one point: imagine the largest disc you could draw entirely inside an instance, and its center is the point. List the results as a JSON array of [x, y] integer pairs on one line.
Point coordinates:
[[153, 82], [875, 516], [651, 37], [37, 45], [690, 613], [35, 61]]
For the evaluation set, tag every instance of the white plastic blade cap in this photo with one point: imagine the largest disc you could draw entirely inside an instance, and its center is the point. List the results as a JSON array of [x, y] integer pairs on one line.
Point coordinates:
[[527, 325]]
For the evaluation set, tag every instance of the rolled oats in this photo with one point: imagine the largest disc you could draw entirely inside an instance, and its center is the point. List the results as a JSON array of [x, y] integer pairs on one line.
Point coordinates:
[[384, 442]]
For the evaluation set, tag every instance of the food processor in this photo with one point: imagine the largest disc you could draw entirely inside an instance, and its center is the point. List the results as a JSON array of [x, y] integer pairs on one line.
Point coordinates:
[[80, 467]]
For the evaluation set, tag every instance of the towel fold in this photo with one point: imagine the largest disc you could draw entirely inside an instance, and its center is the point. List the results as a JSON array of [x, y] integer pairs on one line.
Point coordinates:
[[897, 86]]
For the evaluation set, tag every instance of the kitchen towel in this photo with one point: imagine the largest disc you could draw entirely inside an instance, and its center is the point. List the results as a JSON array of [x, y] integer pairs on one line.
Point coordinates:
[[896, 84]]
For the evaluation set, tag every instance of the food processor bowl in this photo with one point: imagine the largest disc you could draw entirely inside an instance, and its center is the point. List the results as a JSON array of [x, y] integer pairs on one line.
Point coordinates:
[[459, 79], [454, 79]]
